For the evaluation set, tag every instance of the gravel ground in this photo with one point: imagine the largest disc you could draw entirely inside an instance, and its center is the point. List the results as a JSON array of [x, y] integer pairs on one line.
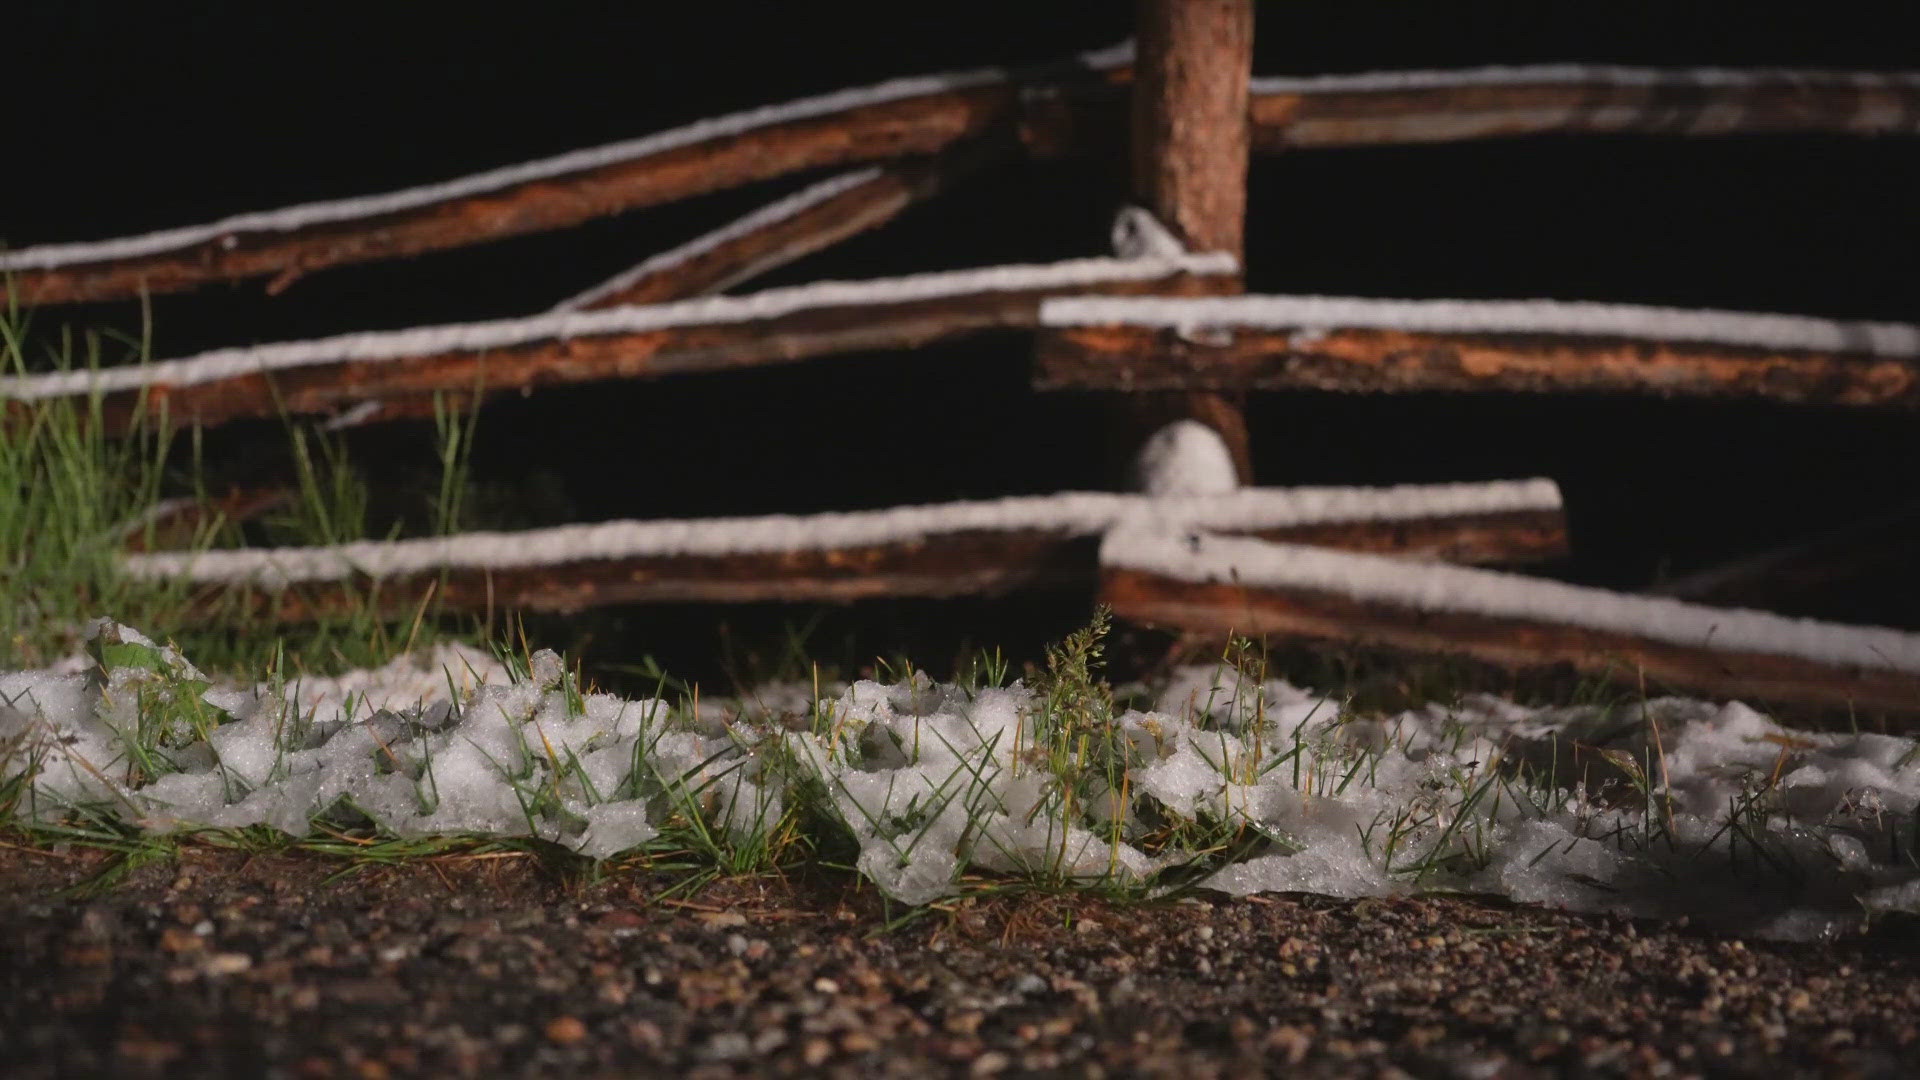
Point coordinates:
[[220, 964]]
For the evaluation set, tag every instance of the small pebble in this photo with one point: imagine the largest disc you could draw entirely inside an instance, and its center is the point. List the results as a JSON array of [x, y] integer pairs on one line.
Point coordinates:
[[858, 1042], [989, 1063], [226, 964], [728, 1046], [768, 1041], [565, 1030]]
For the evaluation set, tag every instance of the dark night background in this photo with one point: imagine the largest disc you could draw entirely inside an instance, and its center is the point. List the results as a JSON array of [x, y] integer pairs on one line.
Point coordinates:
[[127, 117]]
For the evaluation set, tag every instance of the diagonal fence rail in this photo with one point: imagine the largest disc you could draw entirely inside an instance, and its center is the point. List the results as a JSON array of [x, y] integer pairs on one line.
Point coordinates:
[[1073, 106], [1193, 581]]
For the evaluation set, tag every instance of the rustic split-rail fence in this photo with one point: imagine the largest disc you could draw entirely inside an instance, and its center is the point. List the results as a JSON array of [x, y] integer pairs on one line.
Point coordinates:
[[1162, 319]]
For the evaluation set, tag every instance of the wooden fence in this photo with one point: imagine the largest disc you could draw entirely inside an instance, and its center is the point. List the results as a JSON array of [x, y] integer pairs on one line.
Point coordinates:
[[1159, 317]]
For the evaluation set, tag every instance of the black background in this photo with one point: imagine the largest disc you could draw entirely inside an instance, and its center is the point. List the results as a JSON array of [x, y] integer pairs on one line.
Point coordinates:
[[123, 118]]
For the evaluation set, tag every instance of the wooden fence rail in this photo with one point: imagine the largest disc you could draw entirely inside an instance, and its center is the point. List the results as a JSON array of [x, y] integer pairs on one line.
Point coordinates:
[[1236, 585], [1048, 112], [399, 372], [950, 550], [1328, 343]]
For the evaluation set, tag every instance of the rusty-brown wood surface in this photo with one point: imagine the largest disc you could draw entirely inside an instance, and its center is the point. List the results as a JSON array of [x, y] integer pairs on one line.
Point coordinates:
[[1189, 152], [956, 564], [864, 206], [405, 386], [1678, 105], [1507, 538], [1518, 644], [1377, 361], [880, 132], [961, 563], [1079, 112]]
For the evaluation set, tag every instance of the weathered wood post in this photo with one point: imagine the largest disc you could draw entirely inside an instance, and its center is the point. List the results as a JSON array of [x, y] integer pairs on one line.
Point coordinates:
[[1190, 144]]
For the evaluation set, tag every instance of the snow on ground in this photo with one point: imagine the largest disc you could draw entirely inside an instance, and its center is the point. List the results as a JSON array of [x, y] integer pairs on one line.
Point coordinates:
[[1573, 318], [1725, 816]]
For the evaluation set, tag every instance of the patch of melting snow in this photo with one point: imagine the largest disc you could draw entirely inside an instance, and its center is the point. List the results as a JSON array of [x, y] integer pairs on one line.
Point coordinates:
[[1690, 808], [1185, 457]]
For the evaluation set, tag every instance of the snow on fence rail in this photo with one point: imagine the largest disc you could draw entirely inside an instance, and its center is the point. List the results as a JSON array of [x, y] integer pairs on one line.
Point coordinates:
[[927, 115], [1349, 344], [813, 218], [942, 550], [1383, 108], [1188, 579], [889, 120], [711, 333]]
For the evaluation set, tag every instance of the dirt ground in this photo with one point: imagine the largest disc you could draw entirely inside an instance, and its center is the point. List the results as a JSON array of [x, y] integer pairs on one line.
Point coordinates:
[[222, 964]]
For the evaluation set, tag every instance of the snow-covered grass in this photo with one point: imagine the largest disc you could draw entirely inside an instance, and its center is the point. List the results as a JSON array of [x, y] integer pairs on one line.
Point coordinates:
[[1220, 777]]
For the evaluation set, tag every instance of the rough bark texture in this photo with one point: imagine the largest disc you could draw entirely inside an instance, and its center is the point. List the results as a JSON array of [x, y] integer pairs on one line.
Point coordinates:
[[404, 387], [1189, 118], [920, 125], [1514, 643], [865, 206], [1373, 361], [1509, 538], [1385, 117], [958, 564], [1190, 147], [970, 563], [1067, 115]]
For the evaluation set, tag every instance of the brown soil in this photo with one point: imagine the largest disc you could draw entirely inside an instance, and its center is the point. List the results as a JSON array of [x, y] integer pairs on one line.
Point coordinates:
[[221, 964]]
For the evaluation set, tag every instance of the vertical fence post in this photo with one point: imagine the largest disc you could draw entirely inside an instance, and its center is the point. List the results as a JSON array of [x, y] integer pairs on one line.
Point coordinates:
[[1189, 163]]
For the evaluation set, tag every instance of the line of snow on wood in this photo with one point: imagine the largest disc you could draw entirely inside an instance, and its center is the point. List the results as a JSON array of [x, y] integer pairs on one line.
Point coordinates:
[[1194, 557], [287, 219], [1571, 318], [1073, 513], [1576, 75], [704, 311], [780, 210]]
